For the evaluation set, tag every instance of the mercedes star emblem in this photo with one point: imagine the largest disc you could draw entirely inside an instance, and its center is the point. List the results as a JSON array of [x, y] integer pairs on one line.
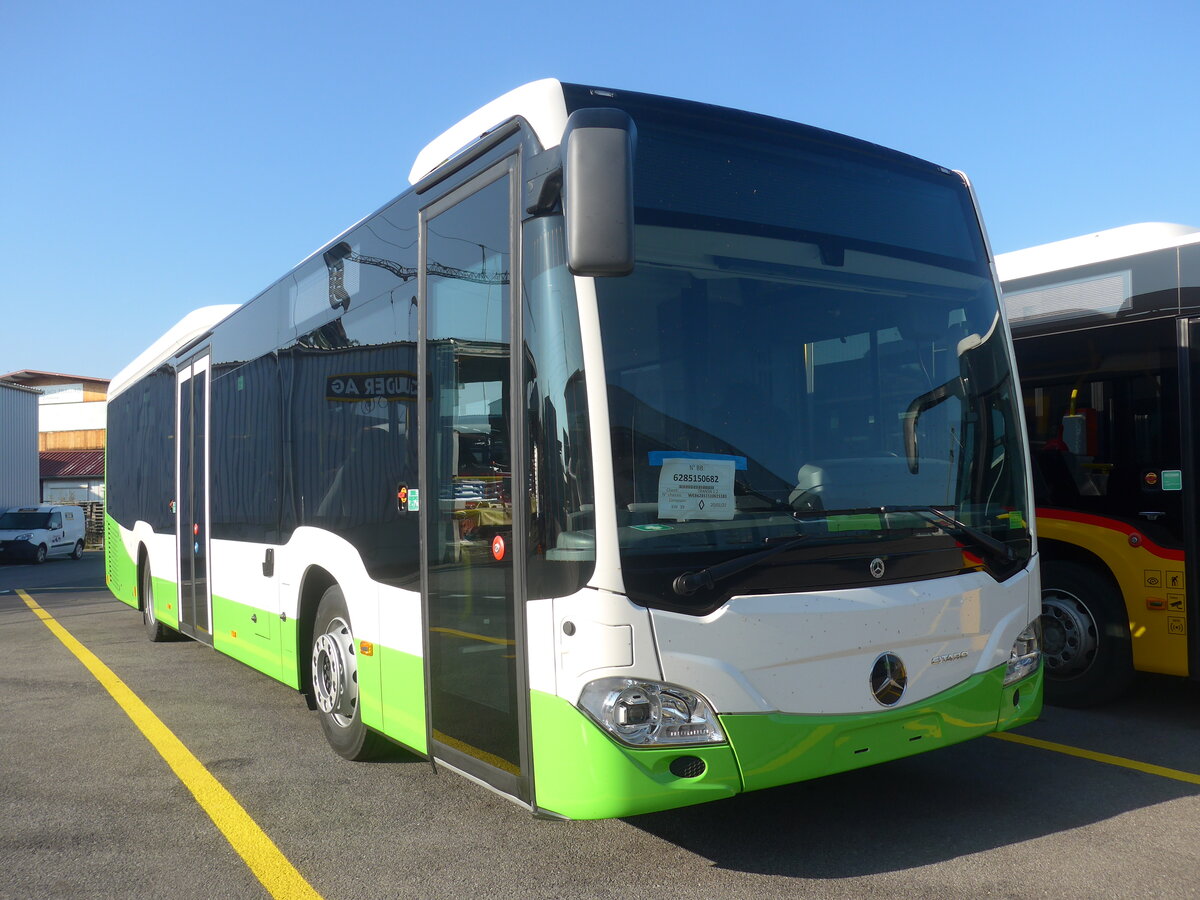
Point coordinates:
[[888, 679]]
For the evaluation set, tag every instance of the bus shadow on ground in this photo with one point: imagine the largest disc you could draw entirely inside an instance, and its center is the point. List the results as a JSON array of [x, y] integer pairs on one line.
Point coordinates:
[[974, 797]]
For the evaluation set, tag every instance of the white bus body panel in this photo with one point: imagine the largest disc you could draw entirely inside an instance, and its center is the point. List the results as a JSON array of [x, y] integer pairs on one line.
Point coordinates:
[[1087, 249], [161, 550], [235, 573], [540, 103], [813, 653], [591, 634], [379, 613]]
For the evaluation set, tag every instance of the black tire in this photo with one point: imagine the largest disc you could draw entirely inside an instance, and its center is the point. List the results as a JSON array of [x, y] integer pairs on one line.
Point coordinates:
[[156, 631], [77, 553], [1085, 636], [334, 682], [39, 555]]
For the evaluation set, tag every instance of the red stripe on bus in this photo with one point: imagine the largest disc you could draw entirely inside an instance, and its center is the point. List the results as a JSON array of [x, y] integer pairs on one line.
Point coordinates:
[[1112, 525]]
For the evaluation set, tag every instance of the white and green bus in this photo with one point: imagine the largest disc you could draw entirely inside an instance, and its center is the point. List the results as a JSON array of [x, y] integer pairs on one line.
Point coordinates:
[[642, 453]]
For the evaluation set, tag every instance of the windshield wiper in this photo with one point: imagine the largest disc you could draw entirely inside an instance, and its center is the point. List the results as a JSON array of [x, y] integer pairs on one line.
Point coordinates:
[[749, 491], [689, 582], [1004, 560]]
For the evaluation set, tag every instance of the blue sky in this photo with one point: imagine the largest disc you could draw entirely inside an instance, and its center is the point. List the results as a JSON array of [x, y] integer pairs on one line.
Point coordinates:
[[157, 157]]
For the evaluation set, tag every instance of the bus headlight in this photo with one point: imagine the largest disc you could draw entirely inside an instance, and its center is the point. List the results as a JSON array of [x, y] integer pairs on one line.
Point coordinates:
[[650, 713], [1026, 653]]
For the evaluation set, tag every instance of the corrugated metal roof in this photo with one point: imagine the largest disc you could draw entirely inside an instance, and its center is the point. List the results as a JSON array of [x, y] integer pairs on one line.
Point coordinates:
[[71, 463], [37, 375]]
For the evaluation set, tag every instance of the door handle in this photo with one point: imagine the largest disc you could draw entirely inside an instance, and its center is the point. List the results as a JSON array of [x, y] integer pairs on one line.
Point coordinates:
[[1152, 516]]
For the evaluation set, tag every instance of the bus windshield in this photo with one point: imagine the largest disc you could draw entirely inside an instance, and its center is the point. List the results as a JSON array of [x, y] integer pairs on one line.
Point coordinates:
[[810, 345]]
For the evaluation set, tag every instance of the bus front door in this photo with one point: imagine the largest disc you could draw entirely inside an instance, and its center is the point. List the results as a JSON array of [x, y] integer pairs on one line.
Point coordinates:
[[474, 653], [191, 492], [1186, 625]]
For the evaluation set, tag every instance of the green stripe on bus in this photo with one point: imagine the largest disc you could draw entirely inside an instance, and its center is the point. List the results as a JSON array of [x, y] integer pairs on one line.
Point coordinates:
[[255, 637], [776, 748], [402, 688], [120, 570], [581, 773]]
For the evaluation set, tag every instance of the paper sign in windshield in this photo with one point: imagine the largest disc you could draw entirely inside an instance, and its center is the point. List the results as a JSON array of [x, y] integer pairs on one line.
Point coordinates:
[[696, 489]]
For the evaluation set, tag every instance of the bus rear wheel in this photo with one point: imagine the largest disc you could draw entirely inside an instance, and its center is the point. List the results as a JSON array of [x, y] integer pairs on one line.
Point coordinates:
[[334, 681], [1085, 636], [156, 631]]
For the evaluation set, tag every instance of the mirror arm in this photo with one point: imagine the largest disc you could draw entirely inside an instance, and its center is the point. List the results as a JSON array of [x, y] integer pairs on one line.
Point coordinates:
[[952, 388], [543, 186]]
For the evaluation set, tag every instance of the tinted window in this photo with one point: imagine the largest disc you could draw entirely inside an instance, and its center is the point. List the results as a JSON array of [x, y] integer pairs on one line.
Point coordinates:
[[562, 549], [783, 176], [246, 450], [1102, 410], [349, 406], [141, 453]]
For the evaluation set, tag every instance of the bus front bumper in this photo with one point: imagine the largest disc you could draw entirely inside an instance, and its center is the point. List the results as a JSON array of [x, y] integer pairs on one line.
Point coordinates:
[[581, 773]]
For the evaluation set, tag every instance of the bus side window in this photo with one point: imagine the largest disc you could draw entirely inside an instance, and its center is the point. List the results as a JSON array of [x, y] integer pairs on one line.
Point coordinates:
[[1054, 483]]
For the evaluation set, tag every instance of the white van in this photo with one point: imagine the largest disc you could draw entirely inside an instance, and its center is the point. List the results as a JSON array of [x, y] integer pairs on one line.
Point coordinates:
[[39, 532]]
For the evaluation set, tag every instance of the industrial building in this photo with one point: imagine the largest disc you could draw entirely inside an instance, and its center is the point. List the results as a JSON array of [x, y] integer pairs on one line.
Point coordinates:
[[18, 445], [70, 424]]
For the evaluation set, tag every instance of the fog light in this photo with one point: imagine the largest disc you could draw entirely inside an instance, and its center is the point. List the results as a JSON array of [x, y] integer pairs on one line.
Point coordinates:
[[649, 713], [687, 767], [1026, 654]]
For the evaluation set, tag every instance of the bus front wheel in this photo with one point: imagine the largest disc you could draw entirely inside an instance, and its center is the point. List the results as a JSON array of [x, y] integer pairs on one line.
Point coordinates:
[[1085, 636], [334, 681]]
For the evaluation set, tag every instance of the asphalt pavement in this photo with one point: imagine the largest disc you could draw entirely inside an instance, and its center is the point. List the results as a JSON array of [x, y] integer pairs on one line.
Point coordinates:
[[92, 810]]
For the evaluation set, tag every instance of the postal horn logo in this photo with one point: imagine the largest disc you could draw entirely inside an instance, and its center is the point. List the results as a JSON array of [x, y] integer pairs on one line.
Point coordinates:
[[888, 679]]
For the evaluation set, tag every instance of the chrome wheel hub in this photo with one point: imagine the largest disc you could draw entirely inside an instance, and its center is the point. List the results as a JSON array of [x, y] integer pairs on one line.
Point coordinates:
[[1069, 634], [335, 672]]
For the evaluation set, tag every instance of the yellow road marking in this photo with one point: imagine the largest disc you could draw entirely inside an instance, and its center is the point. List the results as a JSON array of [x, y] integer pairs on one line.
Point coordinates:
[[454, 632], [463, 747], [1148, 768], [269, 865]]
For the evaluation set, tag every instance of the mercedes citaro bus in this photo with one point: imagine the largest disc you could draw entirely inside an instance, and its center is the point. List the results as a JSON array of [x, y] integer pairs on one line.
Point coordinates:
[[641, 453]]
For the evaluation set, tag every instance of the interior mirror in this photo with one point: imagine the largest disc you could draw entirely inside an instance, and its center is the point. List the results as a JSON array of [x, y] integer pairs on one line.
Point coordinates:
[[597, 193]]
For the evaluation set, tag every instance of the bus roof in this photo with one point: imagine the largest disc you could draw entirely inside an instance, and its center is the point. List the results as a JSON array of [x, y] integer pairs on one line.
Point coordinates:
[[1100, 246], [193, 325], [541, 103]]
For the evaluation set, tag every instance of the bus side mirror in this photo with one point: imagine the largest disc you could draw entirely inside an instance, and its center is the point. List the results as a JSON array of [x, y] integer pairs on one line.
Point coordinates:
[[597, 193]]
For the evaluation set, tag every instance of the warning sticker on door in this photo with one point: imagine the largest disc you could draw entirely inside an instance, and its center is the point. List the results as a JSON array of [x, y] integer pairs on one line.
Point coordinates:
[[696, 489]]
